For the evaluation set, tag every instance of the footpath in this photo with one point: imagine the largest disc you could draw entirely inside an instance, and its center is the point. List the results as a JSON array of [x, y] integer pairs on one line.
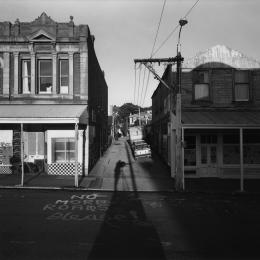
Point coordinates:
[[115, 170]]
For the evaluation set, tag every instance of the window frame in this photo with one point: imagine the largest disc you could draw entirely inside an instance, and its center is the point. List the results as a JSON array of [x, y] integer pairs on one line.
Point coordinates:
[[39, 61], [63, 76], [28, 76], [197, 82], [64, 140], [247, 82]]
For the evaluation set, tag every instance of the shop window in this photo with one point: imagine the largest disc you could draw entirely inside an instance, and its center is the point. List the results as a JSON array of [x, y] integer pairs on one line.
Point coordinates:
[[26, 76], [251, 148], [64, 77], [231, 149], [6, 147], [241, 85], [189, 150], [208, 139], [63, 150], [201, 85], [45, 76]]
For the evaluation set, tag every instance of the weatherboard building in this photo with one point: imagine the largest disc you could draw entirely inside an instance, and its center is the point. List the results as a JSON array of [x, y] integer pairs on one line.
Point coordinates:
[[220, 115], [53, 96]]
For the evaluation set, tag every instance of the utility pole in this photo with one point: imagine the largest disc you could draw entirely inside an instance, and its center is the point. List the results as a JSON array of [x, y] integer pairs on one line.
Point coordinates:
[[176, 168]]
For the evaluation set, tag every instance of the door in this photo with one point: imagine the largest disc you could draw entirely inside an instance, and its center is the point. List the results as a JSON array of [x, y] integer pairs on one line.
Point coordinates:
[[209, 156]]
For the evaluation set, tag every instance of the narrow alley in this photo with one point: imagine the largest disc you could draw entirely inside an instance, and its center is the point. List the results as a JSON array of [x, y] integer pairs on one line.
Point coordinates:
[[118, 170]]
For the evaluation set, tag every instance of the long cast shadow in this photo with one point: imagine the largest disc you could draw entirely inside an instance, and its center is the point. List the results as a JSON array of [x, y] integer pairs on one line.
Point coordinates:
[[126, 233]]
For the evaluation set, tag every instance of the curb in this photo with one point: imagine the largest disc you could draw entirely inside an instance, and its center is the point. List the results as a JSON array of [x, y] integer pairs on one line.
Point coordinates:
[[73, 189], [231, 193]]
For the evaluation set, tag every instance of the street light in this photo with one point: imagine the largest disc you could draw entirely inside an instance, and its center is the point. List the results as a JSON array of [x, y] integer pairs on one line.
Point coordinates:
[[179, 177]]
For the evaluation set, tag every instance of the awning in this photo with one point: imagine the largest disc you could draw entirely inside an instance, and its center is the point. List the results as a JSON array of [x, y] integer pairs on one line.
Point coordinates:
[[213, 119], [47, 113]]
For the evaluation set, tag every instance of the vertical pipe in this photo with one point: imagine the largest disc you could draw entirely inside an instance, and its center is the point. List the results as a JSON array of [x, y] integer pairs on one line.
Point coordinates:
[[139, 117], [22, 155], [241, 161], [54, 73], [76, 156]]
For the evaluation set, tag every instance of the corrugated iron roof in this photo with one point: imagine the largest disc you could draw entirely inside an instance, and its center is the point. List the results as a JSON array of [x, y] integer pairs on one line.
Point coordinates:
[[47, 111], [221, 118]]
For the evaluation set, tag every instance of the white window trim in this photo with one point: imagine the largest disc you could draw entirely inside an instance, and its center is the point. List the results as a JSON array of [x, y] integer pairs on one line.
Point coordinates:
[[24, 77], [64, 151], [61, 76], [39, 77]]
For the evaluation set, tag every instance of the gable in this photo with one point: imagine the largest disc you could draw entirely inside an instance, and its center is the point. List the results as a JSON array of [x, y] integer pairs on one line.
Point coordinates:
[[41, 36]]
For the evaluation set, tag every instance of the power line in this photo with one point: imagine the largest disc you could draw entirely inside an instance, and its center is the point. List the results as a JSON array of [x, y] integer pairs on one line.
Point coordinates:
[[171, 33], [168, 37], [191, 9], [155, 39], [159, 24], [140, 71], [142, 87]]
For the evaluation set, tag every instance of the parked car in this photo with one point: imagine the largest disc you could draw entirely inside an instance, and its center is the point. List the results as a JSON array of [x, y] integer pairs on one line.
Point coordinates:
[[137, 142], [141, 149]]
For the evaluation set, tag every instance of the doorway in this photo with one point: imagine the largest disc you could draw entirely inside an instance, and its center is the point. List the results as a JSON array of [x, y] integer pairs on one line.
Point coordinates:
[[209, 155]]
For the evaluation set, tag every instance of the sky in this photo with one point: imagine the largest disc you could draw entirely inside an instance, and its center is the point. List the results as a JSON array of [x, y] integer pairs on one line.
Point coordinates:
[[125, 30]]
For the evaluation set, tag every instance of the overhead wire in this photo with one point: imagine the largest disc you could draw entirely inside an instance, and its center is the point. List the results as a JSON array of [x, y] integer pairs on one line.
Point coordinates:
[[155, 39], [139, 80], [142, 86], [167, 38], [175, 28]]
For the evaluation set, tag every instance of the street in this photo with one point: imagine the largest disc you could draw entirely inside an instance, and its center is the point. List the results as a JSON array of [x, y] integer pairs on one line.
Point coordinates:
[[128, 225]]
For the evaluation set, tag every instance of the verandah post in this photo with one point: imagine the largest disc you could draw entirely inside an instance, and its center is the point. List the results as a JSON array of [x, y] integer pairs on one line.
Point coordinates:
[[76, 156], [22, 155], [241, 161]]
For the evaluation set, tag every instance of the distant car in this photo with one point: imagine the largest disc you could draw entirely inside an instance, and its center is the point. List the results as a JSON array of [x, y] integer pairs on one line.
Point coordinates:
[[137, 142], [142, 149]]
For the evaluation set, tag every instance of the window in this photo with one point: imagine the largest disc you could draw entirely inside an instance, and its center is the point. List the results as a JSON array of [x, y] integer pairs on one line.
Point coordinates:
[[64, 77], [63, 150], [241, 85], [251, 148], [44, 76], [231, 149], [26, 76], [201, 86], [189, 150]]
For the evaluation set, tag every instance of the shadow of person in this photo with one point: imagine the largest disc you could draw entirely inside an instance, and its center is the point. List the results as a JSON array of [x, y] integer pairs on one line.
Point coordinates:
[[126, 232], [118, 172]]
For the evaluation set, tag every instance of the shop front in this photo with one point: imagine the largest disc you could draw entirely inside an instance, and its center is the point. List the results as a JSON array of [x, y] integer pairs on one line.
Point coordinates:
[[49, 138], [221, 144]]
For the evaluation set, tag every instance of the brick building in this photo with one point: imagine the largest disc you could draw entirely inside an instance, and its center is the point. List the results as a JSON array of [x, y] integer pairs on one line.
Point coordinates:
[[53, 95], [220, 115]]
